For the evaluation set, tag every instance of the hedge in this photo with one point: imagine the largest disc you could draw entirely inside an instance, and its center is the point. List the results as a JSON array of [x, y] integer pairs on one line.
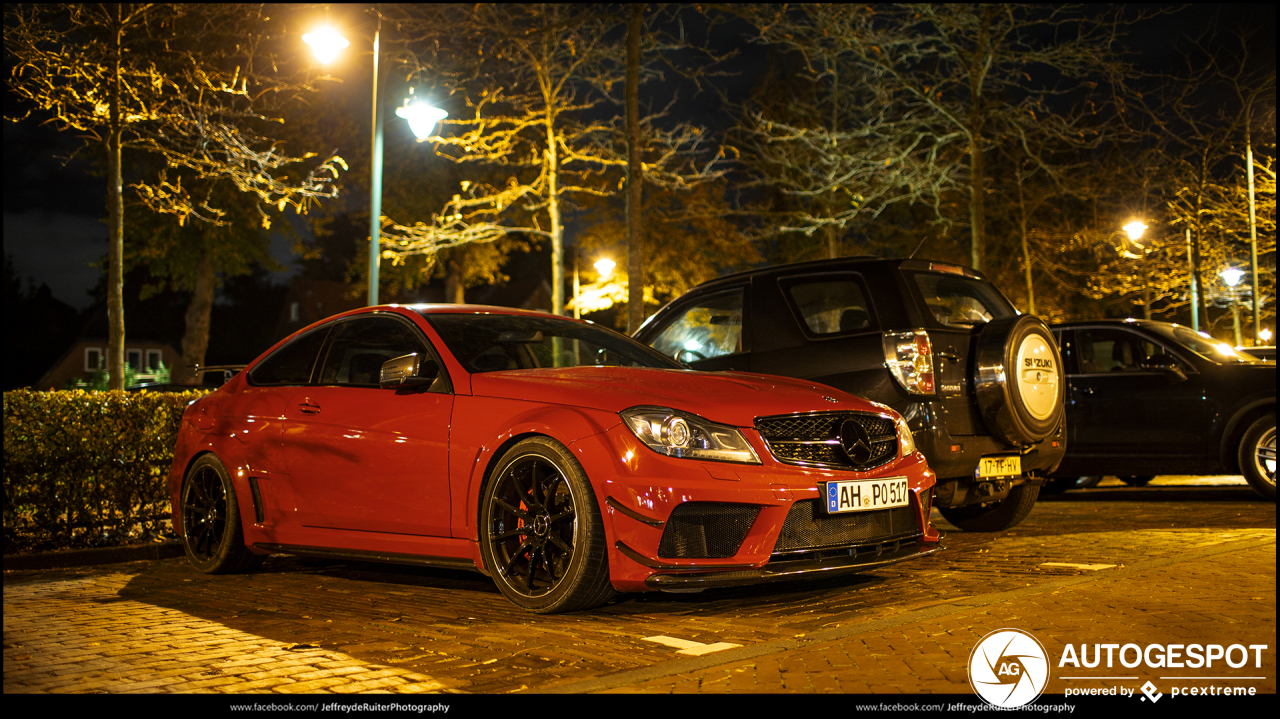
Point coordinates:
[[87, 469]]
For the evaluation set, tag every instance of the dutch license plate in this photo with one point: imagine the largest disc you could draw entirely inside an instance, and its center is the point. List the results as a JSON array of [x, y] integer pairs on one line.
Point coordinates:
[[991, 467], [866, 495]]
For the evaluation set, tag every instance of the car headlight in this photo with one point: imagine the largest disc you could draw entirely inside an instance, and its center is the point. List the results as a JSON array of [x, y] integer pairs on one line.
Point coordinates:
[[680, 434], [906, 443]]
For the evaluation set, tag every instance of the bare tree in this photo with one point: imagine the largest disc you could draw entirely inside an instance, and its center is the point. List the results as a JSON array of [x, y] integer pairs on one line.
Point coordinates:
[[536, 82], [174, 81], [956, 82], [827, 132]]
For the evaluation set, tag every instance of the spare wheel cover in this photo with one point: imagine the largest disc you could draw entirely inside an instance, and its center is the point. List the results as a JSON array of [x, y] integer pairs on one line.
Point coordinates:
[[1020, 385]]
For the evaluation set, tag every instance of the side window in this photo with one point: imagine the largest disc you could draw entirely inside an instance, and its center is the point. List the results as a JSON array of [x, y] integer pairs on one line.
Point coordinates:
[[1103, 350], [291, 364], [360, 346], [830, 306], [710, 327]]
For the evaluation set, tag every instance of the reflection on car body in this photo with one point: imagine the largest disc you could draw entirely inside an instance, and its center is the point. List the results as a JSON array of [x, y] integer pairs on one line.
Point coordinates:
[[563, 459]]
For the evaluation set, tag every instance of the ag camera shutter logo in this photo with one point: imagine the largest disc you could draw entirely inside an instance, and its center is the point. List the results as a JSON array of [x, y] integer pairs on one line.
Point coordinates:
[[1008, 668]]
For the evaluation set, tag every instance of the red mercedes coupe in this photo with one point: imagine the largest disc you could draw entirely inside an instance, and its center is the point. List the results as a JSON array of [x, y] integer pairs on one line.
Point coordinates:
[[560, 458]]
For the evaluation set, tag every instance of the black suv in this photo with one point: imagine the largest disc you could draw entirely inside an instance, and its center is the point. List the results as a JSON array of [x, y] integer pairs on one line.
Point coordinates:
[[980, 385], [1151, 398]]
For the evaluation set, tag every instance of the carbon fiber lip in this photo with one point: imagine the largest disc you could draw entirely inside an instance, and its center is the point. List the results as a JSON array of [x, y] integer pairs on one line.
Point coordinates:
[[782, 571]]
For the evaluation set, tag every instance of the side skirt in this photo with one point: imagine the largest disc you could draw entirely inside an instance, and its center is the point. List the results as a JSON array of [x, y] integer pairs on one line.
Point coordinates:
[[366, 556]]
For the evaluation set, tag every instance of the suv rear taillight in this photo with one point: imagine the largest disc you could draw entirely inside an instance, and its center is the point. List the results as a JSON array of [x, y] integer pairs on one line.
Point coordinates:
[[909, 356]]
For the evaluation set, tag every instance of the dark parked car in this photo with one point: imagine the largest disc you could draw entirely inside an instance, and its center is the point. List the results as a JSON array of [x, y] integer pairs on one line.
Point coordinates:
[[980, 385], [1262, 353], [1150, 398]]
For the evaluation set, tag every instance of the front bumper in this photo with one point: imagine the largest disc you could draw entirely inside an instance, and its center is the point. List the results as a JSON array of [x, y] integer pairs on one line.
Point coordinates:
[[833, 563], [639, 491]]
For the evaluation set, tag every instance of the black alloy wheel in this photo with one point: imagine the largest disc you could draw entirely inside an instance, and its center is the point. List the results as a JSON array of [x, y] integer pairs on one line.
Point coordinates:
[[211, 529], [542, 536], [1258, 456]]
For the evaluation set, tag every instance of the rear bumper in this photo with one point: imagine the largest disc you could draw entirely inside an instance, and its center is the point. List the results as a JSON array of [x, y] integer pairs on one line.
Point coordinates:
[[952, 457], [833, 563]]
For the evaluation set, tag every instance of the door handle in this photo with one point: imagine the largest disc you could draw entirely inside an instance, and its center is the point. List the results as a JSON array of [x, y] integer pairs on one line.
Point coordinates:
[[308, 408], [950, 356]]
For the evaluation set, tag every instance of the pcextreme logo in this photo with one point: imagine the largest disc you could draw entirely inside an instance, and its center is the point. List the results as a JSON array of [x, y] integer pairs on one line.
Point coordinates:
[[1008, 668]]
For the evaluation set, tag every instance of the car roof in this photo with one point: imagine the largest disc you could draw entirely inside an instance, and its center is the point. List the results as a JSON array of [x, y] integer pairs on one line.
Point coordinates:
[[838, 264], [451, 309], [1127, 322]]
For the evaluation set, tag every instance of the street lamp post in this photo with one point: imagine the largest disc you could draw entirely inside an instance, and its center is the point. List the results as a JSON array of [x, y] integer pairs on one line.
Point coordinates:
[[1232, 276], [1134, 230], [604, 266], [326, 43]]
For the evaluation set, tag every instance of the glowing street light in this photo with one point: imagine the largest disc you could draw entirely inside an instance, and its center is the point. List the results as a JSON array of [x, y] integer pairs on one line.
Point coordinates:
[[1232, 276], [421, 115], [326, 44], [1135, 229], [605, 267], [1264, 334]]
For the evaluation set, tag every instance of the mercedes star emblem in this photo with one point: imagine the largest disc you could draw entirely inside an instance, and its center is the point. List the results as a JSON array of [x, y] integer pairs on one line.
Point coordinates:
[[855, 441]]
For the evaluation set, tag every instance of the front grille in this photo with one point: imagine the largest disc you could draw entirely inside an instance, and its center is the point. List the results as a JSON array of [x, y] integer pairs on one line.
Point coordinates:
[[700, 530], [807, 527], [814, 439]]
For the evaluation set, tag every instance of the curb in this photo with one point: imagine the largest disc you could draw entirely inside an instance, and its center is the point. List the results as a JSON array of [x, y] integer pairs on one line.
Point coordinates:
[[86, 557]]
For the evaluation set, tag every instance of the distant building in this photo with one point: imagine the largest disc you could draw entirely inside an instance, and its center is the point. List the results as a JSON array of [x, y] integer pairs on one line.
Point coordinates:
[[89, 354]]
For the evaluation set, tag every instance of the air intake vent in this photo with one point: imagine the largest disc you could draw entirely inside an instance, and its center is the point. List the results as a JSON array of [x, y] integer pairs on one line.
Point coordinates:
[[808, 528], [841, 440], [698, 530]]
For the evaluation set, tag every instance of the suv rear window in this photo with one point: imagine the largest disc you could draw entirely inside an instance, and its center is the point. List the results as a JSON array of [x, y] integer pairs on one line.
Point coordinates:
[[830, 305], [958, 301]]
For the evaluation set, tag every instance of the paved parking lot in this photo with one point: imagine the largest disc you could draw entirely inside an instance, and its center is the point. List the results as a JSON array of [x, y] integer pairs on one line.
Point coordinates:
[[1183, 561]]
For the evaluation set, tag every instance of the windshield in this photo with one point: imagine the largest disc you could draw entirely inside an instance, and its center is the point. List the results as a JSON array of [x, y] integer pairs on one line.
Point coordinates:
[[1202, 344], [958, 301], [492, 342]]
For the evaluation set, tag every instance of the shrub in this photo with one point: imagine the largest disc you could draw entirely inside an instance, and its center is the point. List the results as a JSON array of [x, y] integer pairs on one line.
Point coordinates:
[[87, 469]]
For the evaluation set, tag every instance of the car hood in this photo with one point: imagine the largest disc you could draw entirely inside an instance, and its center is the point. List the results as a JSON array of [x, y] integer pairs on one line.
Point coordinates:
[[734, 398]]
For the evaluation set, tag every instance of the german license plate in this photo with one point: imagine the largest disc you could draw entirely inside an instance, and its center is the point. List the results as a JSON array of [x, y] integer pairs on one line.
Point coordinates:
[[1006, 466], [866, 495]]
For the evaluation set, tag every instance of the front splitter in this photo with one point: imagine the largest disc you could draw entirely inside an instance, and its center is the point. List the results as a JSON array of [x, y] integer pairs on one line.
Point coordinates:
[[785, 570]]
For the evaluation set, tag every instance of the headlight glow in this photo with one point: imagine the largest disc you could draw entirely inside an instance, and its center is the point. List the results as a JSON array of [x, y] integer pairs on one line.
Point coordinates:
[[906, 443], [680, 434]]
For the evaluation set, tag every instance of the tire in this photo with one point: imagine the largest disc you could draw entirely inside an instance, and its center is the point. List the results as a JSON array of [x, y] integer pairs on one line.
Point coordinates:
[[1258, 456], [1141, 481], [1020, 385], [563, 564], [995, 516], [212, 532]]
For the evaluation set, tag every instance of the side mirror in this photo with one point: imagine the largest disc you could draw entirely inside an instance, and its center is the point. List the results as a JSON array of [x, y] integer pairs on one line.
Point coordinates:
[[407, 371], [1166, 364]]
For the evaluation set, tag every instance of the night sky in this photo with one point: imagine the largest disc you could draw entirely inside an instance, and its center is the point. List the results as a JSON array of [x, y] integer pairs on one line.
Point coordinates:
[[54, 214]]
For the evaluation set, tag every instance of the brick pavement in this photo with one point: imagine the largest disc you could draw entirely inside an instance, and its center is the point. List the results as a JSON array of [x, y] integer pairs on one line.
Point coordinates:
[[329, 626], [1199, 600]]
